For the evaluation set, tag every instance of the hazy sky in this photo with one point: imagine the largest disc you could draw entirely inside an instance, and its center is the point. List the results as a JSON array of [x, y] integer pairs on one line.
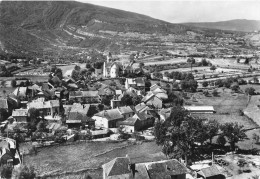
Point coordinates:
[[188, 11]]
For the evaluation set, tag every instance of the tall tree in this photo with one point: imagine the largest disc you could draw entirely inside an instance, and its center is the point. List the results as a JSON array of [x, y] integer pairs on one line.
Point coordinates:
[[234, 133], [179, 133]]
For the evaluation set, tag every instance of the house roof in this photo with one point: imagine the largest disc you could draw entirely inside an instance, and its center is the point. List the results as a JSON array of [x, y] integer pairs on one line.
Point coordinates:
[[119, 92], [125, 110], [106, 91], [153, 87], [164, 169], [140, 106], [75, 93], [43, 104], [111, 114], [131, 81], [140, 82], [20, 91], [148, 96], [199, 108], [20, 112], [35, 87], [118, 166], [210, 171], [3, 103], [129, 121], [155, 101], [77, 107], [90, 93], [141, 172]]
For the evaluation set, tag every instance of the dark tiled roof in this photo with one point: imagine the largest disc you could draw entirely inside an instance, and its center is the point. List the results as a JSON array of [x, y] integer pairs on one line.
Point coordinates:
[[111, 114], [118, 166], [125, 110], [90, 93], [163, 169], [210, 171], [129, 121]]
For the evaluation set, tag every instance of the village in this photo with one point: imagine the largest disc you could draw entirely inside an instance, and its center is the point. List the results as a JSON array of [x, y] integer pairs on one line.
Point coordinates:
[[113, 100]]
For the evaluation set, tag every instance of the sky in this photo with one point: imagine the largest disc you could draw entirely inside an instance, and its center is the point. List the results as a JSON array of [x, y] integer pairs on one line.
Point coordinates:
[[177, 11]]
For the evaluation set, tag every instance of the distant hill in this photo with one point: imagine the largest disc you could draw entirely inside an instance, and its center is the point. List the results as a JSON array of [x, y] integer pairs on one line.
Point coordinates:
[[39, 25], [242, 25]]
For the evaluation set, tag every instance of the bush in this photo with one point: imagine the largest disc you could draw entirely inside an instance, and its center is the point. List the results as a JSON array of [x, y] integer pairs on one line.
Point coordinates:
[[6, 171], [221, 140], [240, 112], [27, 172]]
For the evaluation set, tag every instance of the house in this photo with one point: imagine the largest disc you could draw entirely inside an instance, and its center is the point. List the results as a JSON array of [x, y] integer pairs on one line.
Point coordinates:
[[151, 100], [89, 96], [20, 115], [138, 122], [110, 69], [106, 91], [210, 173], [200, 109], [160, 93], [6, 157], [142, 108], [154, 87], [164, 113], [118, 168], [77, 115], [138, 83], [21, 91], [126, 111], [130, 82], [4, 104], [47, 108], [123, 168], [115, 103], [108, 118]]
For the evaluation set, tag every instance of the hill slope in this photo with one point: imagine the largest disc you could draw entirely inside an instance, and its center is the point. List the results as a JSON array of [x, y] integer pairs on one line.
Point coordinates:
[[234, 25], [36, 26]]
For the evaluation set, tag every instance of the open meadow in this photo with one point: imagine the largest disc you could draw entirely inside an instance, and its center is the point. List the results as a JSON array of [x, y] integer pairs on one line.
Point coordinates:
[[84, 156]]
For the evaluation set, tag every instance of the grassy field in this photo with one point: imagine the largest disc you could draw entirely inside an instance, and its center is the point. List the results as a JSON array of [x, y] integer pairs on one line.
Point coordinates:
[[252, 110], [227, 106], [58, 159]]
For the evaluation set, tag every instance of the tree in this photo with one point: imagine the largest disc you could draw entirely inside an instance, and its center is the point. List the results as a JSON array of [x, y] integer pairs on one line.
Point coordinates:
[[255, 79], [235, 87], [250, 91], [205, 84], [34, 117], [178, 134], [127, 100], [191, 61], [3, 115], [136, 100], [215, 92], [58, 73], [233, 132], [203, 76], [221, 140], [141, 65], [204, 62], [212, 129], [13, 83], [238, 60], [213, 68], [246, 61]]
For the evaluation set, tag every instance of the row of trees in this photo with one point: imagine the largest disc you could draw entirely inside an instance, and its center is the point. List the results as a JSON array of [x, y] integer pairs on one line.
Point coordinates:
[[183, 135]]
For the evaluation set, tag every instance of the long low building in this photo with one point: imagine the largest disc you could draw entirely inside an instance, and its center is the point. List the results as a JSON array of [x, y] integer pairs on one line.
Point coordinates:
[[200, 109]]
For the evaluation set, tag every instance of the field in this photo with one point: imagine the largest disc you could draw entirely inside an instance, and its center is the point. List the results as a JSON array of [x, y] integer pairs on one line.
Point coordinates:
[[58, 159], [226, 106]]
